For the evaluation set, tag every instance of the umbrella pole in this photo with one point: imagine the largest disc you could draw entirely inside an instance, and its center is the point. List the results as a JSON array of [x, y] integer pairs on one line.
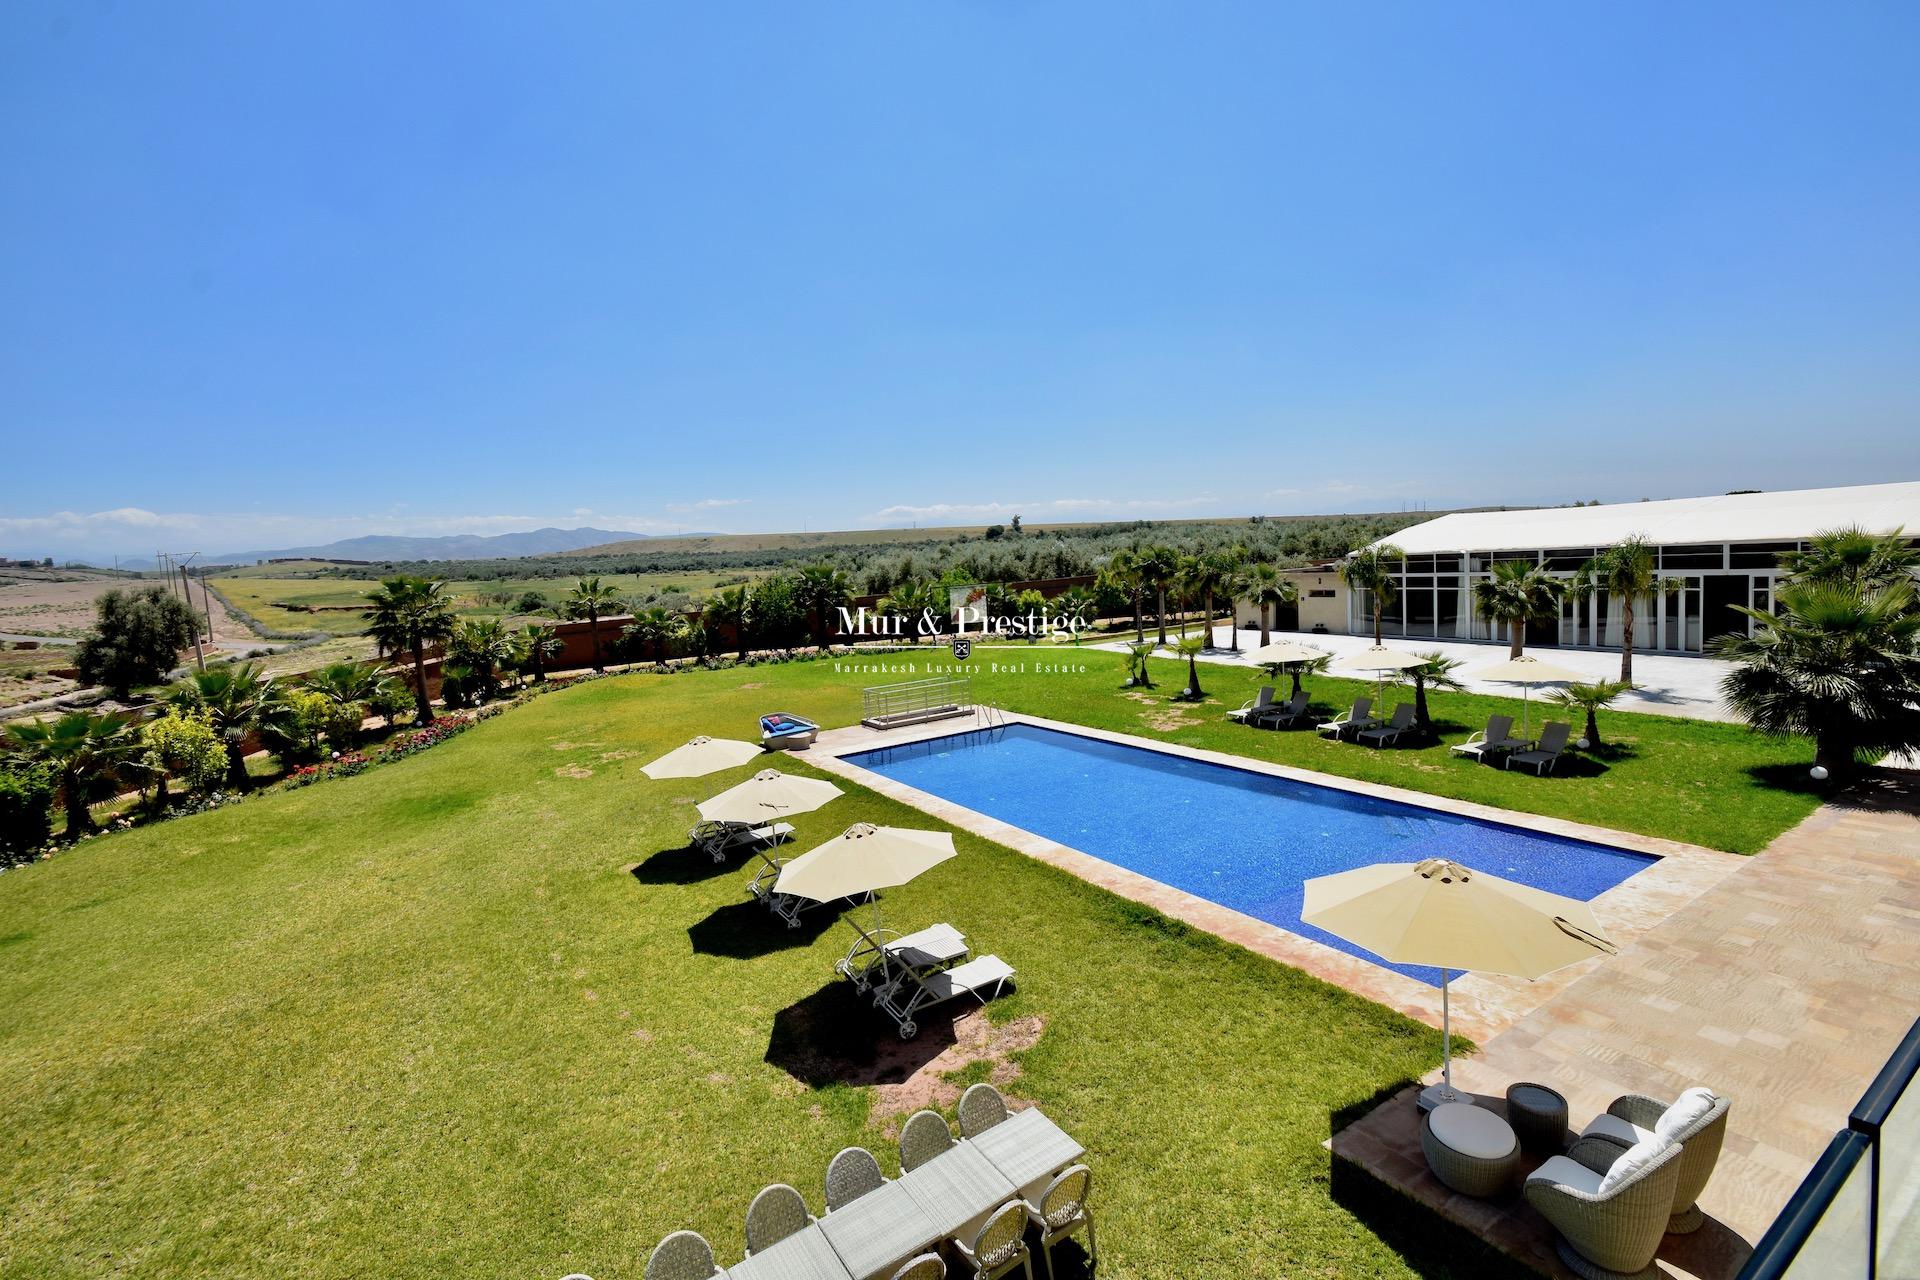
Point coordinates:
[[1435, 1095]]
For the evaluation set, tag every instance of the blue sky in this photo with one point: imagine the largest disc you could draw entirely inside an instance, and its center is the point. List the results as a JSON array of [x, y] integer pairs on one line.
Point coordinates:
[[275, 276]]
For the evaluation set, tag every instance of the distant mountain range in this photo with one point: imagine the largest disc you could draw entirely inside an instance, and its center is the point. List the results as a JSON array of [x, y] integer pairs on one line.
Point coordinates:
[[461, 546]]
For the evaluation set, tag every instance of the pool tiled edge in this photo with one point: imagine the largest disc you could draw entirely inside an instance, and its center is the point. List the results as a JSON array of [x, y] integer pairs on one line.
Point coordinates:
[[1482, 1005]]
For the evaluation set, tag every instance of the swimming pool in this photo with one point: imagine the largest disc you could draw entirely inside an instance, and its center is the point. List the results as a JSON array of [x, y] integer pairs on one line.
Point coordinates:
[[1242, 839]]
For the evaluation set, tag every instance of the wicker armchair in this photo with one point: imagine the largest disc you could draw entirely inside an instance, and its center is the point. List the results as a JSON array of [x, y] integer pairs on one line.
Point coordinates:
[[684, 1255], [924, 1136], [1001, 1244], [981, 1108], [776, 1213], [851, 1174], [1611, 1234], [1699, 1142]]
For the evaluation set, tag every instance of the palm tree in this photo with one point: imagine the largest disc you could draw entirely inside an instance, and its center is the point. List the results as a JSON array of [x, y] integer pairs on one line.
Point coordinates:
[[1266, 588], [652, 628], [405, 616], [589, 599], [542, 642], [1838, 665], [1238, 586], [1190, 648], [1435, 673], [1159, 568], [1516, 593], [821, 589], [1074, 608], [1626, 572], [1139, 656], [1123, 571], [1872, 561], [1590, 698], [236, 699], [483, 647], [917, 599], [1297, 671], [350, 687], [1210, 575], [1371, 569], [87, 751]]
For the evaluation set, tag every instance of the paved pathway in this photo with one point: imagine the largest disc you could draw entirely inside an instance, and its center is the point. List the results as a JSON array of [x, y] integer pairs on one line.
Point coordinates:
[[1667, 684], [1786, 986]]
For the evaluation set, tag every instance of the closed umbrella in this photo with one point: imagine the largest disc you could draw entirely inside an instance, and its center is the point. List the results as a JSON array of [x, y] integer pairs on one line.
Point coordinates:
[[863, 859], [1447, 916], [702, 756], [1526, 672], [766, 796]]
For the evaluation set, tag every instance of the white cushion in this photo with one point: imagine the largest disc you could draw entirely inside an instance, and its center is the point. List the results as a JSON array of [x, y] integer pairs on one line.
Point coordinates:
[[1689, 1108], [1568, 1173], [1632, 1161], [1472, 1131], [1615, 1129]]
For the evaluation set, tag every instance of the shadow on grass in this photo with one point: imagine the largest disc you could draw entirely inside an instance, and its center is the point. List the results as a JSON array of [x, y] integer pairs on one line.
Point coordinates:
[[744, 930], [1788, 777], [685, 865], [836, 1036]]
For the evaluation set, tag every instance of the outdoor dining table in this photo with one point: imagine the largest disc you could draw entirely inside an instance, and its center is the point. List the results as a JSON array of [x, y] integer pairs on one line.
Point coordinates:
[[957, 1186], [804, 1255], [884, 1227], [1027, 1147]]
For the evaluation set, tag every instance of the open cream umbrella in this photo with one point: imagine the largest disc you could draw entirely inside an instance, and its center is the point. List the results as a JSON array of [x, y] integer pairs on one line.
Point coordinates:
[[1525, 672], [863, 859], [1446, 916], [1379, 659], [702, 756], [766, 796], [1282, 652]]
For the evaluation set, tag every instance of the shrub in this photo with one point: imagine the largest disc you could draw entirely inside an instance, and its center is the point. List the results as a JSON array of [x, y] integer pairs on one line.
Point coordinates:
[[293, 728], [185, 745], [26, 809], [137, 637]]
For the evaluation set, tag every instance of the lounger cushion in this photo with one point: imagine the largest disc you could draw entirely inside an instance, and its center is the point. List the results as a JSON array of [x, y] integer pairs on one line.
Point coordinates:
[[1614, 1129], [1634, 1159], [1567, 1173], [1472, 1131], [1688, 1109]]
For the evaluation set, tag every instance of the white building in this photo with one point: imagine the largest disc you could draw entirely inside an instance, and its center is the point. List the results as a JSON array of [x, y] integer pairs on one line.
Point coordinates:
[[1725, 549]]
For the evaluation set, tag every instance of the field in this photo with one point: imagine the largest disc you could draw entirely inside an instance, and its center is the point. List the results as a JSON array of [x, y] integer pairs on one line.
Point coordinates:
[[289, 599], [53, 602], [477, 1013]]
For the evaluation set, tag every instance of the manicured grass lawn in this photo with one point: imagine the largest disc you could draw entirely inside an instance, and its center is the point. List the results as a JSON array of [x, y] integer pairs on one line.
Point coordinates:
[[427, 1022]]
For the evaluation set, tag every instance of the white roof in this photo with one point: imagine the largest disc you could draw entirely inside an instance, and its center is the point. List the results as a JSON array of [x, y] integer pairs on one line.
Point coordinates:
[[1735, 517]]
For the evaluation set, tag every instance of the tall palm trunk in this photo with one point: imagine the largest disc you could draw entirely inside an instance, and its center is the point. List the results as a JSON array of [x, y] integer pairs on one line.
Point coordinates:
[[1139, 631], [73, 798], [1832, 750], [1263, 624], [1376, 620], [1160, 611], [1516, 637], [593, 625], [237, 776], [1206, 613], [1626, 641], [422, 705]]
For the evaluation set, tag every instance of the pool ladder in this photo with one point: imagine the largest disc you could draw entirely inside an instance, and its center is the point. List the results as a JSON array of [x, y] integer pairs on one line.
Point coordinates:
[[989, 716]]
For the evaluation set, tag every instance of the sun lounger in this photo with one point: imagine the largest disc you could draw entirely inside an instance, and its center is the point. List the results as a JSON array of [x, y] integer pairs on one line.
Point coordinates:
[[1259, 704], [1279, 716], [718, 839], [982, 977], [874, 957], [1361, 717], [1542, 759], [1488, 742], [782, 732], [1391, 731]]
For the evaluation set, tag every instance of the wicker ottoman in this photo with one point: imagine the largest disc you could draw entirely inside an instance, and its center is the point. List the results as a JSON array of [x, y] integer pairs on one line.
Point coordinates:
[[1470, 1149], [1538, 1116]]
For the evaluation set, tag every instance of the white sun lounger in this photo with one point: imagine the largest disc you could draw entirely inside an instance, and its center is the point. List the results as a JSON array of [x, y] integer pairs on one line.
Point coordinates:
[[982, 977], [1255, 707], [718, 839], [878, 958]]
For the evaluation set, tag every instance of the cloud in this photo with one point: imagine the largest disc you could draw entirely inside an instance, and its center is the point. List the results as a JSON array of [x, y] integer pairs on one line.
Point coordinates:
[[964, 512], [708, 504]]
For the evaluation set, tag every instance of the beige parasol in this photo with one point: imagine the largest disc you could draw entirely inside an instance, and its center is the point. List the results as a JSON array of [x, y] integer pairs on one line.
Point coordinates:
[[1283, 652], [1525, 672], [767, 795], [1442, 914], [702, 756], [863, 859]]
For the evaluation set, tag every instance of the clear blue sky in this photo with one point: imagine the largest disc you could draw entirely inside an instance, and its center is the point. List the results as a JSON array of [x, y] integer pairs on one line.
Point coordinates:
[[274, 276]]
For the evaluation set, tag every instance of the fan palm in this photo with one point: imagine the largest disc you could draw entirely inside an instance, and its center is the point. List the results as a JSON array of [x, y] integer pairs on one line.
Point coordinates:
[[1266, 588], [592, 599], [351, 687], [1872, 561], [919, 602], [1371, 569], [542, 642], [1838, 665], [1592, 699], [1516, 593], [1626, 572], [728, 610], [483, 646], [1159, 569], [821, 589], [1123, 572], [406, 615], [1190, 648], [1435, 673], [88, 752], [1139, 656], [236, 699], [652, 629]]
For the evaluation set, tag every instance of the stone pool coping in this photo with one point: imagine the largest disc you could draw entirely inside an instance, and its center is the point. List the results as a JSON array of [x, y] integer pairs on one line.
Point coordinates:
[[1482, 1004]]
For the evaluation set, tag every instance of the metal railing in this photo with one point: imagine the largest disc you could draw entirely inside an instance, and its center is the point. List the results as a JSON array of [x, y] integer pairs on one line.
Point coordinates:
[[1853, 1215], [910, 698]]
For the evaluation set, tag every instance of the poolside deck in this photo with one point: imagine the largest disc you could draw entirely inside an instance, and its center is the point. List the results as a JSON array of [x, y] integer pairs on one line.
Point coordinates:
[[1786, 988]]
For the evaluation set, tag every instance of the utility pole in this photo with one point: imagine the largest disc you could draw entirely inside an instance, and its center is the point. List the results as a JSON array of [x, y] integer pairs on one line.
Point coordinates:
[[180, 560]]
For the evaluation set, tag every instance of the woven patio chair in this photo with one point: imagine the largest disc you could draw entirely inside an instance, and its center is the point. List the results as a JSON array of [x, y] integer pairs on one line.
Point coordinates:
[[925, 1267], [851, 1174], [999, 1246], [924, 1136], [1698, 1130], [981, 1108], [1609, 1206], [1061, 1210], [776, 1213], [684, 1255]]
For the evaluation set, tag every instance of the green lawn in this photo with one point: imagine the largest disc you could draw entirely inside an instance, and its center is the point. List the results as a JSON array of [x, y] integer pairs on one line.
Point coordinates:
[[427, 1022]]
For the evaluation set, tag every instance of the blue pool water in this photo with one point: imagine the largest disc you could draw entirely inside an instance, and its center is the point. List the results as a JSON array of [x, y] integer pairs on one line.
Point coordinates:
[[1244, 840]]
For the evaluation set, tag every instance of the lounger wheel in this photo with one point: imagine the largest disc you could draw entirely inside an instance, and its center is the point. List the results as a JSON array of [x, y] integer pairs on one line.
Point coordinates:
[[909, 1029]]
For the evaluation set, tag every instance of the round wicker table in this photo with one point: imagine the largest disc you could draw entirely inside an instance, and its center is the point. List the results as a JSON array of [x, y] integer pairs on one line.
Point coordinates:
[[1469, 1148], [1538, 1116]]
